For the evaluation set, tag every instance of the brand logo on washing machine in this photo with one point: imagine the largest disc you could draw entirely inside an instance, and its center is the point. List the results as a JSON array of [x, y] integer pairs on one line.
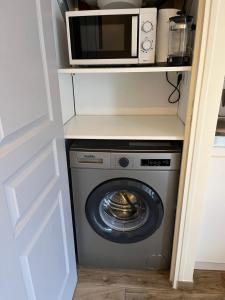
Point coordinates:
[[89, 156]]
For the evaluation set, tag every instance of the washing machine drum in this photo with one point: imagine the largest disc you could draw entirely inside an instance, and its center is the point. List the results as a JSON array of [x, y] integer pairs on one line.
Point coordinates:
[[124, 210]]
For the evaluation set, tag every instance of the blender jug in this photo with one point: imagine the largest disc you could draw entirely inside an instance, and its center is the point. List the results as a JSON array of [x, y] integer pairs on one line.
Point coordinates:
[[180, 40]]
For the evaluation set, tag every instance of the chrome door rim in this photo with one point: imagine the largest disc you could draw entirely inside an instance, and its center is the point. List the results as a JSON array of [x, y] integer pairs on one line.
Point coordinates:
[[123, 216]]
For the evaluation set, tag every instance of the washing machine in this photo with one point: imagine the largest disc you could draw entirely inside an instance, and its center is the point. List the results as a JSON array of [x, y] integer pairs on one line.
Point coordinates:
[[125, 195]]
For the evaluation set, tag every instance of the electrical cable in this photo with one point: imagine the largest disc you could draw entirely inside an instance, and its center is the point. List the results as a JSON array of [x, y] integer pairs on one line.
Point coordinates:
[[222, 102], [176, 88]]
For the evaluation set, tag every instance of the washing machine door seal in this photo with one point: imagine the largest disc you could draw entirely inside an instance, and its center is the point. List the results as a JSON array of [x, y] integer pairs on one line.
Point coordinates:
[[124, 210]]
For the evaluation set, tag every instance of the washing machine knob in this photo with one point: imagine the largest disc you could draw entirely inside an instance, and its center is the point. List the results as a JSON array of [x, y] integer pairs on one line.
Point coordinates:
[[123, 162]]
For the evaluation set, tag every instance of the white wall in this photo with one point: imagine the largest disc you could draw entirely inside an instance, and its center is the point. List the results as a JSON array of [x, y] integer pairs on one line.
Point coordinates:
[[211, 243], [129, 93]]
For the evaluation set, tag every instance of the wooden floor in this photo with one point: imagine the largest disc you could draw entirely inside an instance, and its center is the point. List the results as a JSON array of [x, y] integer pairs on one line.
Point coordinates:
[[96, 284]]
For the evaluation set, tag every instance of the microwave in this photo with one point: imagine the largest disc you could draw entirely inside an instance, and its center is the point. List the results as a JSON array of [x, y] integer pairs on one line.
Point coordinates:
[[112, 37]]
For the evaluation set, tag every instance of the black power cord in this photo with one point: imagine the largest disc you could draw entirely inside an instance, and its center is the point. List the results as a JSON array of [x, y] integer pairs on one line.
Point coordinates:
[[222, 102], [176, 88]]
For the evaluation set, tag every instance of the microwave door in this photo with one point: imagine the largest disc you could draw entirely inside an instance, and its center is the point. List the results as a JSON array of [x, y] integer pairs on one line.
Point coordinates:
[[104, 39]]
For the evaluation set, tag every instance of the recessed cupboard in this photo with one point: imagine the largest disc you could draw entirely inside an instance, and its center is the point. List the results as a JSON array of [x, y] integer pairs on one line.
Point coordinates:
[[152, 102]]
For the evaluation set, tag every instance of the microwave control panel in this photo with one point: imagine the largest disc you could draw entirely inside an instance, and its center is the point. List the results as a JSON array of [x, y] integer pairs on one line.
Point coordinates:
[[147, 35]]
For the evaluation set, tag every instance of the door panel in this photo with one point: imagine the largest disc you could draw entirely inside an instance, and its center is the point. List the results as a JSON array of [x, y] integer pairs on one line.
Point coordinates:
[[20, 196], [38, 257], [58, 263], [21, 46]]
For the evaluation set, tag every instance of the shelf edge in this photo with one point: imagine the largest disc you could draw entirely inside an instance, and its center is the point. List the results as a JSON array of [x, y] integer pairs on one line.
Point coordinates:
[[124, 70]]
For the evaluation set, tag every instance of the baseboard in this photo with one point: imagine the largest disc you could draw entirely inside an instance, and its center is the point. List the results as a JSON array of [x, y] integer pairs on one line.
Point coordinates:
[[200, 265], [185, 285]]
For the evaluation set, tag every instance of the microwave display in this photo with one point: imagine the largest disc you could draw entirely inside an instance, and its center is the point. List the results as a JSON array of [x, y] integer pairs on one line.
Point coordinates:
[[101, 37]]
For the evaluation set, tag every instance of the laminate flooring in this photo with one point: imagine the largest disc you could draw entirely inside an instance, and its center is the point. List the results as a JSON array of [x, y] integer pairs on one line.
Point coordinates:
[[99, 284]]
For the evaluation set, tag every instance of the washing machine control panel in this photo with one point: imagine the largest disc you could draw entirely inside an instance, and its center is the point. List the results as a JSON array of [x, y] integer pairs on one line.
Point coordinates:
[[125, 160], [145, 161]]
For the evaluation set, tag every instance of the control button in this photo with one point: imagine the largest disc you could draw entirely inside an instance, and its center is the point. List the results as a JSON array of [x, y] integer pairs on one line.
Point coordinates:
[[123, 162], [147, 45], [147, 27]]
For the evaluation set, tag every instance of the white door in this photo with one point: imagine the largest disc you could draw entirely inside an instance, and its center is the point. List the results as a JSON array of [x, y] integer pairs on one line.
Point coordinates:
[[37, 258]]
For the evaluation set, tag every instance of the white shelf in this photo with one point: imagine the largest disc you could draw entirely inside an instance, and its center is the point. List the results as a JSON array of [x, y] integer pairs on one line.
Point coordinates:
[[125, 127], [91, 70]]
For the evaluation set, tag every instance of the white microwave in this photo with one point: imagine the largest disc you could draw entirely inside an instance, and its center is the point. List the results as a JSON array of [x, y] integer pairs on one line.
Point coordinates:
[[112, 37]]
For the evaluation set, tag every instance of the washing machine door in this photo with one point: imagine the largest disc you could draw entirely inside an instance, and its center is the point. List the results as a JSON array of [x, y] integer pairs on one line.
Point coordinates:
[[124, 210]]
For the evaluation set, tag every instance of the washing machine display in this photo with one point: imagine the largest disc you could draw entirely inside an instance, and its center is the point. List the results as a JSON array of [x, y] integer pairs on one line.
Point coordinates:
[[124, 196], [124, 210]]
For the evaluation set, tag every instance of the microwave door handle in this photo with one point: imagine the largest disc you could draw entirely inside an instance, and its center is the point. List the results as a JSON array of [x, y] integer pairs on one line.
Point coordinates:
[[134, 36]]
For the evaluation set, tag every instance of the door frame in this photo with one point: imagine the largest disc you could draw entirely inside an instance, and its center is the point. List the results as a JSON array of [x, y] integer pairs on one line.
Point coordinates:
[[206, 84]]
